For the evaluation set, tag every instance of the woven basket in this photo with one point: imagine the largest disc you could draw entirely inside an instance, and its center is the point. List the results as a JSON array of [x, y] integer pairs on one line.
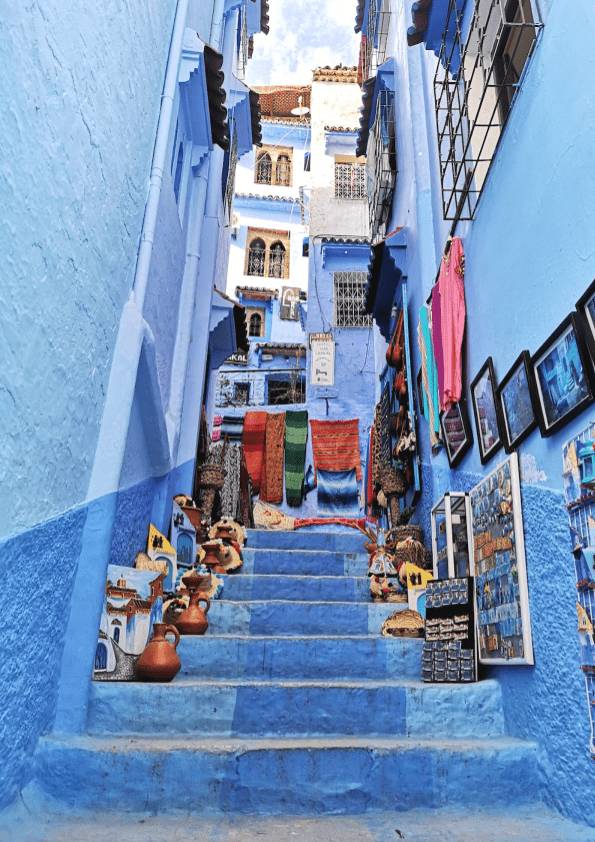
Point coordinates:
[[393, 481], [406, 623], [212, 476], [412, 552], [399, 533]]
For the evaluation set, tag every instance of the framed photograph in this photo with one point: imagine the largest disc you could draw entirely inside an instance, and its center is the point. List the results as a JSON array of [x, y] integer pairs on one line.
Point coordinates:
[[586, 310], [456, 432], [487, 412], [517, 399], [501, 594], [563, 376]]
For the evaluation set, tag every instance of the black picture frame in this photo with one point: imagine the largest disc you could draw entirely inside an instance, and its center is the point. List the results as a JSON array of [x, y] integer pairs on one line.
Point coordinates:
[[586, 309], [517, 398], [420, 396], [456, 432], [487, 412], [564, 379]]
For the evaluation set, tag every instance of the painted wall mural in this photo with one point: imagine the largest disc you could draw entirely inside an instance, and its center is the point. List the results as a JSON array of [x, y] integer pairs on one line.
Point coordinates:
[[501, 597], [578, 461]]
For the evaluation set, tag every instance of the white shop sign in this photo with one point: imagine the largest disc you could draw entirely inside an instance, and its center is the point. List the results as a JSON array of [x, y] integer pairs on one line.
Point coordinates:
[[322, 372]]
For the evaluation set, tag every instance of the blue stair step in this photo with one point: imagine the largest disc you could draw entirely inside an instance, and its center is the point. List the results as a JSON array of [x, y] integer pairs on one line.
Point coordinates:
[[286, 618], [326, 658], [242, 586], [297, 709], [337, 540], [273, 776], [304, 562]]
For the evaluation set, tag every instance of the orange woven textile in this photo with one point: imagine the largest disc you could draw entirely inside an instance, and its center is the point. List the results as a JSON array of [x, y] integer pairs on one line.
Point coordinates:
[[335, 445], [253, 441], [271, 481]]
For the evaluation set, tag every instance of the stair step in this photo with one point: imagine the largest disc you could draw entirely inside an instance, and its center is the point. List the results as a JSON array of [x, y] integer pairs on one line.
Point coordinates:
[[288, 618], [299, 562], [296, 708], [295, 776], [242, 586], [327, 658], [331, 540]]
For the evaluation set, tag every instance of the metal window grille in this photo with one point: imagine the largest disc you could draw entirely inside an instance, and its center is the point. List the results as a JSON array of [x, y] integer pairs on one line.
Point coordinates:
[[241, 394], [243, 51], [230, 187], [477, 78], [374, 43], [256, 257], [286, 391], [381, 164], [283, 171], [276, 261], [255, 327], [350, 181], [350, 289], [264, 169]]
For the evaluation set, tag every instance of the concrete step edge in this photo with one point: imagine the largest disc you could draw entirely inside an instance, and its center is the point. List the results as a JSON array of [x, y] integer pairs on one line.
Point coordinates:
[[290, 683]]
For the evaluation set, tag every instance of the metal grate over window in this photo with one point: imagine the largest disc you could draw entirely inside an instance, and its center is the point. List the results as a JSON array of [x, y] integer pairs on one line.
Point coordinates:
[[349, 290], [264, 169], [231, 177], [374, 42], [350, 181], [292, 390], [243, 51], [476, 81], [277, 261], [382, 164], [283, 171], [241, 394], [256, 257]]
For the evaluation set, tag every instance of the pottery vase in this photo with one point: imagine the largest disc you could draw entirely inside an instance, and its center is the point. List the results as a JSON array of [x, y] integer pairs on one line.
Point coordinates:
[[194, 619], [224, 533], [159, 661], [211, 559]]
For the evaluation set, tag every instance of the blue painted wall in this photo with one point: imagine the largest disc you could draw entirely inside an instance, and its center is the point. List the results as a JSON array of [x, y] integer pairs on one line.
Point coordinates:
[[530, 254]]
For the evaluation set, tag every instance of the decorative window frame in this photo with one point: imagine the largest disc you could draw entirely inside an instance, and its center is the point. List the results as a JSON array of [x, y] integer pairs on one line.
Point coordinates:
[[348, 302], [375, 37], [274, 153], [270, 238], [350, 177]]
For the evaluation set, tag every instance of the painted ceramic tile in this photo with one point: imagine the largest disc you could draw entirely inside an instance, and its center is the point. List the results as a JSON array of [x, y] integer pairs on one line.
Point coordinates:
[[501, 597], [133, 602], [182, 537], [159, 549]]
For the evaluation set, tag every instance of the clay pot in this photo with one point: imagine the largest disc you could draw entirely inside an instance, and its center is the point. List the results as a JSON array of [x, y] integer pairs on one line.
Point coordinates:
[[159, 661], [194, 620], [224, 532], [211, 559]]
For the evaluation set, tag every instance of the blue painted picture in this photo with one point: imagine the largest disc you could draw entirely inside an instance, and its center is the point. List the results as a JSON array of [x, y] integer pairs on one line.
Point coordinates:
[[516, 396], [486, 410], [562, 368]]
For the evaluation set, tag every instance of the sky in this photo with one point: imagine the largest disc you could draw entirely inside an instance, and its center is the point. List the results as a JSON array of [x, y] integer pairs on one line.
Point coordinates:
[[304, 34]]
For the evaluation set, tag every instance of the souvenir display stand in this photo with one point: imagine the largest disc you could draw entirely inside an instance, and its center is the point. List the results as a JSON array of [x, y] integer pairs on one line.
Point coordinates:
[[452, 536], [449, 652]]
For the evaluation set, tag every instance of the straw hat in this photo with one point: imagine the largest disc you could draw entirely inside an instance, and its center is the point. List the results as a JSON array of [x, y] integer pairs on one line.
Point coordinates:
[[405, 623], [238, 532], [143, 562]]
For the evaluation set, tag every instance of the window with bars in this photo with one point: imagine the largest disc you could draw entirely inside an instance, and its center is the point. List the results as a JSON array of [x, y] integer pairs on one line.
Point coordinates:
[[477, 78], [255, 325], [241, 394], [264, 169], [243, 51], [231, 177], [374, 42], [292, 390], [277, 261], [381, 164], [283, 171], [349, 291], [273, 166], [256, 257], [350, 181]]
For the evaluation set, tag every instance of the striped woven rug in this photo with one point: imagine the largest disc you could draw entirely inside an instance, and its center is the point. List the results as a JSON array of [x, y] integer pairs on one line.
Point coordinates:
[[296, 433], [335, 445], [253, 440]]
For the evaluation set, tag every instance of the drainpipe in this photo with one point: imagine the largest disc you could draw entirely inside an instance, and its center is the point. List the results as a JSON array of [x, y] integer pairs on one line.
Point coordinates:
[[81, 632]]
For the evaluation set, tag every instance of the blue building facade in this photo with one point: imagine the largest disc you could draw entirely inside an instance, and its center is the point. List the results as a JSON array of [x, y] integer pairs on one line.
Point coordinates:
[[119, 220], [499, 178]]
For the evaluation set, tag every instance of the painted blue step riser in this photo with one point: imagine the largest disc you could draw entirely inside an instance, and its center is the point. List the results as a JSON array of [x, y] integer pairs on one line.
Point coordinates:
[[289, 781], [337, 659], [308, 563], [299, 588], [286, 619], [267, 710], [350, 541]]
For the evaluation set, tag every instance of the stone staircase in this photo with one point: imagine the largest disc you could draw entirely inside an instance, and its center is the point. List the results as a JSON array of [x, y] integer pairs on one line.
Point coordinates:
[[293, 703]]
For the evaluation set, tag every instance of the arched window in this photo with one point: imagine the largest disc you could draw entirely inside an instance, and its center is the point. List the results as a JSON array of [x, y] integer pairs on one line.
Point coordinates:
[[264, 169], [256, 257], [255, 324], [283, 175], [277, 261]]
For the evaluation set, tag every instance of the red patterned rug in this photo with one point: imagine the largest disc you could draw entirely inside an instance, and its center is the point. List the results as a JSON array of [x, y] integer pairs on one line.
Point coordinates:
[[253, 437], [335, 445], [271, 481]]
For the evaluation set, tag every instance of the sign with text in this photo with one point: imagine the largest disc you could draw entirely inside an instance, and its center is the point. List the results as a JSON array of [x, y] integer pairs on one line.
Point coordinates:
[[288, 306], [241, 358], [322, 372]]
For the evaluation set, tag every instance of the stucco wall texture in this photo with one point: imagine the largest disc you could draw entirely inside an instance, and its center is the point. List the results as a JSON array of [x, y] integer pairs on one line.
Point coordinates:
[[77, 147]]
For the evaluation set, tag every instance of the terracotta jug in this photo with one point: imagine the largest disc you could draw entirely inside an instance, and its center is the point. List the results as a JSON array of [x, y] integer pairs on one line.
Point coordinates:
[[194, 620], [224, 532], [159, 661], [211, 559]]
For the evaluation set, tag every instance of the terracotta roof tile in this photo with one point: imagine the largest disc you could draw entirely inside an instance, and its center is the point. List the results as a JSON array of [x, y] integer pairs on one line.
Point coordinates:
[[339, 73]]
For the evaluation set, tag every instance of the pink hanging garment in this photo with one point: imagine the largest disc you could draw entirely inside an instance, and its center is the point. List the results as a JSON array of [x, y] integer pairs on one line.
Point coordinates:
[[452, 316]]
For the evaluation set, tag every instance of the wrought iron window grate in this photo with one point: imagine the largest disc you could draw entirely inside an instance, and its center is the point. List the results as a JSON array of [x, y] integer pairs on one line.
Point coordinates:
[[277, 261], [256, 258], [382, 164], [477, 78], [283, 171], [230, 187], [243, 51], [288, 391], [374, 43], [350, 181], [241, 394], [350, 288], [264, 169]]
